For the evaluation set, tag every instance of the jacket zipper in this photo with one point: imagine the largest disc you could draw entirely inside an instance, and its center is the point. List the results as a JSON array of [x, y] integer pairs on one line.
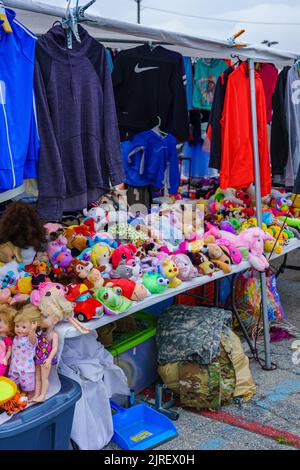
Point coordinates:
[[8, 140]]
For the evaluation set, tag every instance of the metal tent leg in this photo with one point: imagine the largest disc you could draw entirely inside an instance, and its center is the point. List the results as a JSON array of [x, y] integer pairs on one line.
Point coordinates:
[[263, 280]]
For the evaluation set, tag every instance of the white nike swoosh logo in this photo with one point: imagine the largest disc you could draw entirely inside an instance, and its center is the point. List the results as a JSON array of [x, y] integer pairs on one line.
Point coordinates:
[[139, 69]]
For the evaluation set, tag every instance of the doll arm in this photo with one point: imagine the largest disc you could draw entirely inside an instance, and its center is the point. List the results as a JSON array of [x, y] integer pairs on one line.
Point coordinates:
[[7, 356], [79, 327], [54, 349], [32, 335]]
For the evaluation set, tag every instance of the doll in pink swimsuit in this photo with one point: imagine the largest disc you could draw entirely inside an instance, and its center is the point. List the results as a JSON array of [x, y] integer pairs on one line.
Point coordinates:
[[7, 314], [22, 366], [46, 350]]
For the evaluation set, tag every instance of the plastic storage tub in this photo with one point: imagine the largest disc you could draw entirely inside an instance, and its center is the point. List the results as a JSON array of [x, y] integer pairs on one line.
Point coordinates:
[[46, 426], [136, 353], [158, 309]]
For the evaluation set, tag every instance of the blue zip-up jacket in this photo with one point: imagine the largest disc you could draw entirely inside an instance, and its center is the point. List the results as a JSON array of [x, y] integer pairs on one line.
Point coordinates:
[[19, 143], [151, 160]]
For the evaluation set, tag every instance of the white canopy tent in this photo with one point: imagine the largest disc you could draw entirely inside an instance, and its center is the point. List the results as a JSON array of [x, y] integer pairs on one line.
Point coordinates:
[[39, 17]]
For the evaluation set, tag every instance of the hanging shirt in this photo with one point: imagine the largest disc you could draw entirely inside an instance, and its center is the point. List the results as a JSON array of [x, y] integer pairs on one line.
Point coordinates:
[[214, 124], [80, 154], [149, 83], [109, 60], [296, 189], [237, 166], [19, 144], [188, 81], [151, 160], [279, 136], [292, 107], [269, 74], [205, 78]]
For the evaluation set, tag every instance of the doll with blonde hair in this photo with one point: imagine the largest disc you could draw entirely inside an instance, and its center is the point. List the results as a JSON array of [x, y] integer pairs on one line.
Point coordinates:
[[7, 315], [22, 366], [46, 350], [63, 309], [54, 308]]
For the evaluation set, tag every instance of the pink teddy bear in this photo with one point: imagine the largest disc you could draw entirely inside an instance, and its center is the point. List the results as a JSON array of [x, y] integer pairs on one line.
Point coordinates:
[[253, 239]]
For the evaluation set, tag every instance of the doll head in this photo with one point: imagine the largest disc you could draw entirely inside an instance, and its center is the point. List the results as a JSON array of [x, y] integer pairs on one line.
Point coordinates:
[[48, 289], [9, 252], [100, 254], [7, 315], [26, 318], [5, 296], [21, 225], [54, 309]]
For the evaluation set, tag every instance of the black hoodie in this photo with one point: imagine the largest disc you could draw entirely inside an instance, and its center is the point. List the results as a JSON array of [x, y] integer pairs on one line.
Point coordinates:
[[149, 83], [279, 133]]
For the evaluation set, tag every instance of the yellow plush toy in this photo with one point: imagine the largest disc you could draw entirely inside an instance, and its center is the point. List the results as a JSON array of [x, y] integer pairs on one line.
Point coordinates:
[[274, 246], [22, 286], [252, 222], [169, 270], [295, 209]]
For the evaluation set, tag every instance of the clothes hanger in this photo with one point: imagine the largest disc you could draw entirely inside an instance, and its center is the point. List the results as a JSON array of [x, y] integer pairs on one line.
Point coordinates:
[[158, 130], [238, 62], [57, 23], [72, 18], [207, 60], [151, 45], [297, 64], [5, 25]]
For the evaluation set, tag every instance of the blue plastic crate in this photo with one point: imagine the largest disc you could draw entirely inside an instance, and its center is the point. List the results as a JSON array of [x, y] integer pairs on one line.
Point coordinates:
[[46, 426]]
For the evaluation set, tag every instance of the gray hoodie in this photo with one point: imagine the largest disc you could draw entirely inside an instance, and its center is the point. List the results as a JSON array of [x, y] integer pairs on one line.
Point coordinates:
[[292, 105], [80, 153]]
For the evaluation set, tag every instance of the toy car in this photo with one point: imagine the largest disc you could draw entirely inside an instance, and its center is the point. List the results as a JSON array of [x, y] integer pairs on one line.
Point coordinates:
[[86, 306]]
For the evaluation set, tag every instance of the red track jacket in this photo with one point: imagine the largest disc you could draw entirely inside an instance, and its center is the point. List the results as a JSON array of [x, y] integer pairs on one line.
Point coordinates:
[[237, 165]]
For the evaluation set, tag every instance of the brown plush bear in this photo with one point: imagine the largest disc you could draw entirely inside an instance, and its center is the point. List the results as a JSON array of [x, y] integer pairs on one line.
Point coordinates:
[[219, 255], [201, 262]]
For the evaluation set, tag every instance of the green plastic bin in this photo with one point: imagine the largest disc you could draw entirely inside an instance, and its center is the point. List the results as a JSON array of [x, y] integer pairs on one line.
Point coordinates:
[[136, 352]]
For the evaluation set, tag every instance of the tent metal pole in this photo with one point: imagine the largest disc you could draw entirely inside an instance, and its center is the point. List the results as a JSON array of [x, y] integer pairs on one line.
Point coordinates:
[[263, 279]]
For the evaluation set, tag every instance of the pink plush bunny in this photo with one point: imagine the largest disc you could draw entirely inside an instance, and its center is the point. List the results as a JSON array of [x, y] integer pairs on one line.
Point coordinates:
[[253, 239], [212, 230]]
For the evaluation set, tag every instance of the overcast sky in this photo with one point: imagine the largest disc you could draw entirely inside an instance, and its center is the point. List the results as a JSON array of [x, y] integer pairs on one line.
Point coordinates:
[[283, 11]]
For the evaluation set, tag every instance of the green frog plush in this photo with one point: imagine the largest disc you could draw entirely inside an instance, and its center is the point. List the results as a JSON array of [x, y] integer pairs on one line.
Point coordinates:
[[114, 303]]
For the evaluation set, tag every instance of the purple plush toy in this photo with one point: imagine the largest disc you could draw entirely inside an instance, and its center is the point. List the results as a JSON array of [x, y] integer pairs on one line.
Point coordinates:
[[59, 254], [227, 226]]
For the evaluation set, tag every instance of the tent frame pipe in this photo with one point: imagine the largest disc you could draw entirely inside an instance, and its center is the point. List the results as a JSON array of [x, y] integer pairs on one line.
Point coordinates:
[[263, 279]]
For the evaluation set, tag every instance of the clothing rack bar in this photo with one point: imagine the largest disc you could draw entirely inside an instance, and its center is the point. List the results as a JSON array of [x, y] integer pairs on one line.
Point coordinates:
[[263, 279], [133, 41], [127, 41], [209, 47]]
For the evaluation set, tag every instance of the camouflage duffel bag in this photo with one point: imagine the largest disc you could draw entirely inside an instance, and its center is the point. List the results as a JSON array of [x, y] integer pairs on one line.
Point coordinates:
[[202, 386]]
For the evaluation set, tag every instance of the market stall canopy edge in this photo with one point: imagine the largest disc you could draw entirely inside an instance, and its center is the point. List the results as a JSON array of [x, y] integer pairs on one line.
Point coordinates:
[[39, 17]]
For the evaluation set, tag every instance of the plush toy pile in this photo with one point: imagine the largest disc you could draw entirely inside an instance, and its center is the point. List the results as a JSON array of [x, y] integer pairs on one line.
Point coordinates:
[[113, 258], [52, 273]]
